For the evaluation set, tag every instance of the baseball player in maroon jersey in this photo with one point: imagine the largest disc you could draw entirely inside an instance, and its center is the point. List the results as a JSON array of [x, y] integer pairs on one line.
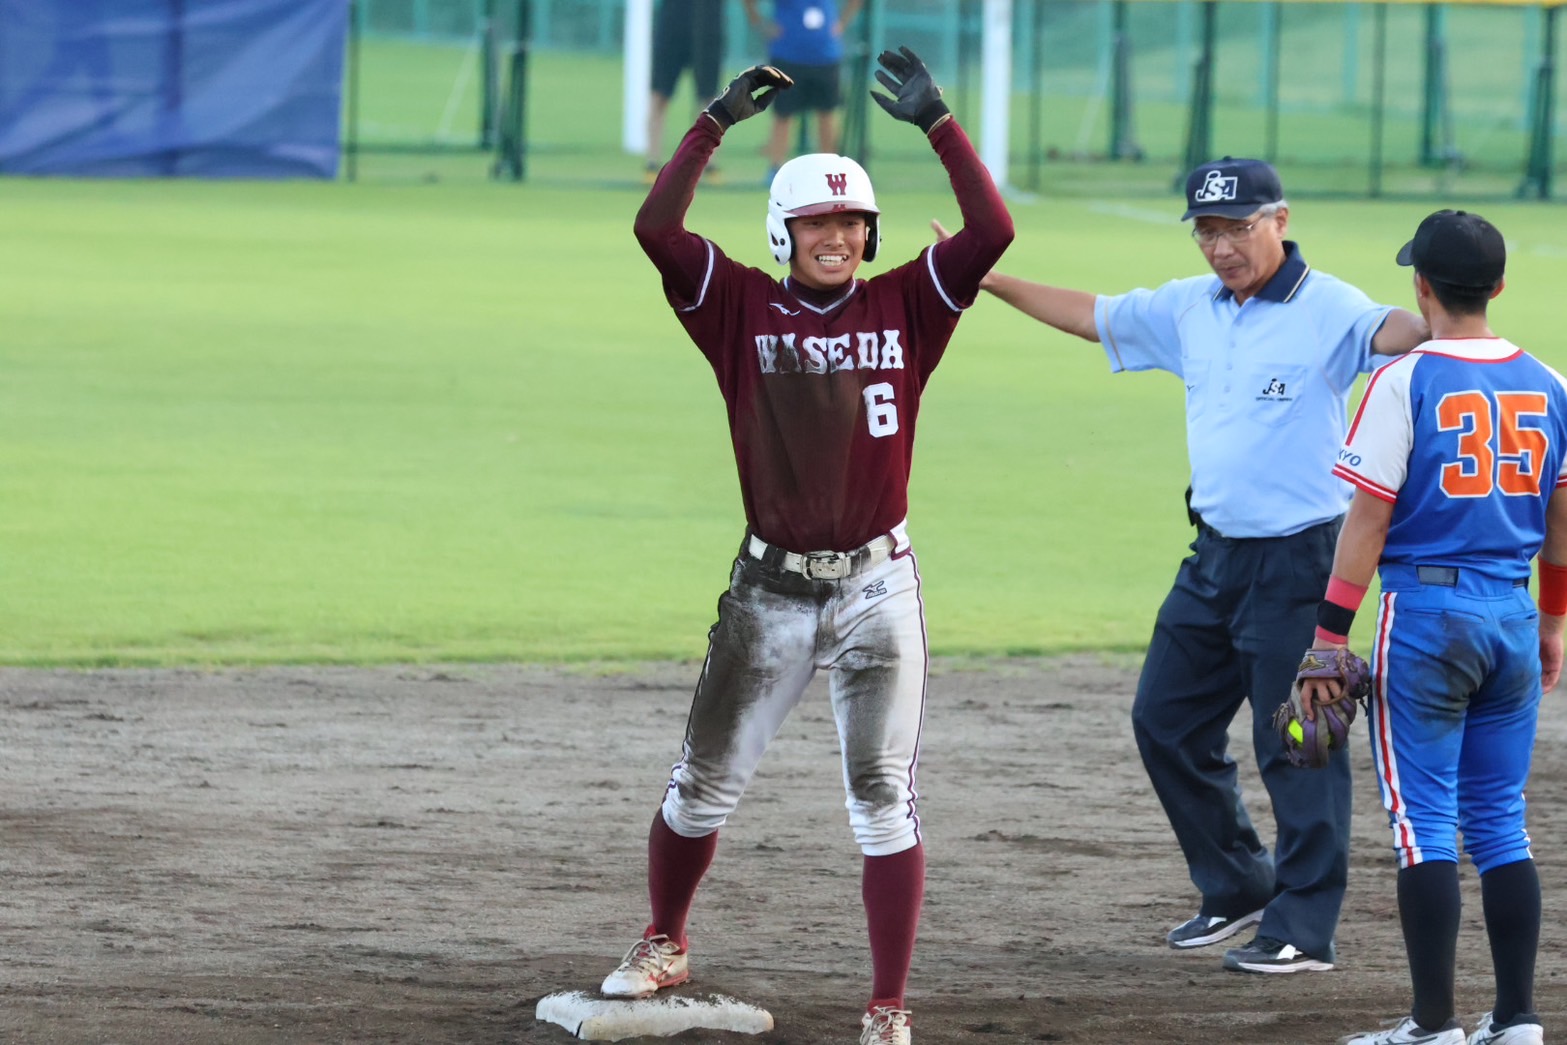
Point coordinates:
[[822, 375]]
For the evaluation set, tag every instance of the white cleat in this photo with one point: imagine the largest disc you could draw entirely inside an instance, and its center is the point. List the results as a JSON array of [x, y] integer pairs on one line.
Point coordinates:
[[1517, 1034], [651, 965], [886, 1026], [1408, 1032]]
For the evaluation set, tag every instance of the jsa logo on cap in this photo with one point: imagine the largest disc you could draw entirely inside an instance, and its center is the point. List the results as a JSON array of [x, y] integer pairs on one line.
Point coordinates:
[[1216, 188]]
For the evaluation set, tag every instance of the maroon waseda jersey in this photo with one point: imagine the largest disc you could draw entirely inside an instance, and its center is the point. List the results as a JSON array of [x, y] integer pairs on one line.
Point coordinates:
[[823, 388]]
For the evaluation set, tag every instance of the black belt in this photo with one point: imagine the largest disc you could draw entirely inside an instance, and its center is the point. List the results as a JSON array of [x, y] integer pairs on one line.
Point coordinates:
[[1208, 531], [1447, 576], [822, 566]]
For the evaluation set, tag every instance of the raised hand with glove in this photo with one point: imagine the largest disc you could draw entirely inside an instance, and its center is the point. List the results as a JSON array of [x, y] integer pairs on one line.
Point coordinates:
[[740, 100], [916, 98]]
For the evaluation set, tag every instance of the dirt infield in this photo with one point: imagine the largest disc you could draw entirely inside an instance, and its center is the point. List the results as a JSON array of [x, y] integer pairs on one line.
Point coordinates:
[[417, 855]]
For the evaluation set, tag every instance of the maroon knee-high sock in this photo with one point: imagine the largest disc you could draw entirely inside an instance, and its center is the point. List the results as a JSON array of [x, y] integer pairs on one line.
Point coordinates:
[[675, 866], [893, 888]]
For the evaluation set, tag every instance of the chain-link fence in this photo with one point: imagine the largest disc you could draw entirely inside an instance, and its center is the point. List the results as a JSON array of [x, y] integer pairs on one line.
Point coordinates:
[[1108, 96]]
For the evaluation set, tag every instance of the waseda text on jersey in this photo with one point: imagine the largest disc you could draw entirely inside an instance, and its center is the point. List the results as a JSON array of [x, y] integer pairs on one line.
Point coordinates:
[[862, 350]]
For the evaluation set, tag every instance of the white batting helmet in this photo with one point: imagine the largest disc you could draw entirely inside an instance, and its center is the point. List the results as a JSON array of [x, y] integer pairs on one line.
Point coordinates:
[[819, 183]]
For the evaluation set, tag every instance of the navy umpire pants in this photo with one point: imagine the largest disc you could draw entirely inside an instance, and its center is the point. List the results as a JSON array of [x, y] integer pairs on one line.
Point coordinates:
[[1233, 628]]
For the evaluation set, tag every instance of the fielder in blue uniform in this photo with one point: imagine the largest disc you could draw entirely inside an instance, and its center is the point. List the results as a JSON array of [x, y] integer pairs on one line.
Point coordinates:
[[1268, 349], [1455, 454]]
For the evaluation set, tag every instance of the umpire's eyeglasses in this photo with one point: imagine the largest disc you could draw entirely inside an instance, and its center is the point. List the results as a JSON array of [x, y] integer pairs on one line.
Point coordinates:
[[1207, 236]]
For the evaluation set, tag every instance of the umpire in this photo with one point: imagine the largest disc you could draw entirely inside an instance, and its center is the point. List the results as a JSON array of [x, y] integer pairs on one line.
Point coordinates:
[[1268, 349]]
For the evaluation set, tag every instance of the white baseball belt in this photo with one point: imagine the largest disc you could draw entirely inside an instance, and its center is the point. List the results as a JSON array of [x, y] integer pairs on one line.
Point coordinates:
[[824, 566]]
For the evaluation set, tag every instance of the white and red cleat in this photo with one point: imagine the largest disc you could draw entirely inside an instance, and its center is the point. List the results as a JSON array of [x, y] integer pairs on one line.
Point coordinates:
[[653, 963]]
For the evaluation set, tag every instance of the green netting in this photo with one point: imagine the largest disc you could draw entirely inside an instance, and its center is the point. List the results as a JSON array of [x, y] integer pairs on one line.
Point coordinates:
[[1395, 99]]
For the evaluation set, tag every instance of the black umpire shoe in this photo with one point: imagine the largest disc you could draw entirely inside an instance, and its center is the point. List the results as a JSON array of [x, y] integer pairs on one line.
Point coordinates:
[[1265, 954], [1203, 929]]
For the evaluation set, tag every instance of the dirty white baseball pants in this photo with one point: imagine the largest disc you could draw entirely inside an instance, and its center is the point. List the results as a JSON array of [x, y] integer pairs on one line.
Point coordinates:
[[775, 629]]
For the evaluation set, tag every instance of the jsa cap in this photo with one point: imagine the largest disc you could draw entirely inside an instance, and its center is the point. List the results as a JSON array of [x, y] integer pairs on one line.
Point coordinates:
[[1457, 248], [1231, 188]]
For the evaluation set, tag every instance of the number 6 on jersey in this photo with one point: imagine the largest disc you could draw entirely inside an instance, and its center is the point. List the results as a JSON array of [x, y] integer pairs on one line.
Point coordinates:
[[881, 413]]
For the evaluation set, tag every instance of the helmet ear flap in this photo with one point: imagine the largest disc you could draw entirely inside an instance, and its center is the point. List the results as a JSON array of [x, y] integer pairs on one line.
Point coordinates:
[[872, 236], [778, 238]]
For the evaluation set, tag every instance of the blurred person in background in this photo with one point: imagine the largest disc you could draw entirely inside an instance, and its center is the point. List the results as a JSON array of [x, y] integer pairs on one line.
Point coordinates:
[[805, 42], [687, 34]]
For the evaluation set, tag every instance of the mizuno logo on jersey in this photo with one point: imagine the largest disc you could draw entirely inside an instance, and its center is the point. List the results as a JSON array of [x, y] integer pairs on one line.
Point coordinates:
[[865, 350], [785, 311], [875, 590]]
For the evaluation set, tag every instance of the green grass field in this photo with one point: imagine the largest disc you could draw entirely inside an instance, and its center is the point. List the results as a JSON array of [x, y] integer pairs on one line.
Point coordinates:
[[250, 423]]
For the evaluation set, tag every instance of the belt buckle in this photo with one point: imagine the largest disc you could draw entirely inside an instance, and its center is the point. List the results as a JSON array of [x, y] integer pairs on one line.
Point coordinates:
[[825, 566]]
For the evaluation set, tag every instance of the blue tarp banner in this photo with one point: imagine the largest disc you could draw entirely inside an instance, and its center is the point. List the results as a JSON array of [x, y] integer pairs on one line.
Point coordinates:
[[171, 88]]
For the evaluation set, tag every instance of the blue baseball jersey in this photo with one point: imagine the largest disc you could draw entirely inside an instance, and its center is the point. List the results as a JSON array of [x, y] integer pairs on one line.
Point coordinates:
[[1466, 439], [808, 32]]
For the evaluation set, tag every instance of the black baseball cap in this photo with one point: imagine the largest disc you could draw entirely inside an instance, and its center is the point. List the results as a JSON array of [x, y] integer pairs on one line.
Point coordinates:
[[1457, 248], [1231, 188]]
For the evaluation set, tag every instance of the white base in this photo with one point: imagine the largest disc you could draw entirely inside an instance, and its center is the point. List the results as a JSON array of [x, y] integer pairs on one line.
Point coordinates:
[[593, 1018]]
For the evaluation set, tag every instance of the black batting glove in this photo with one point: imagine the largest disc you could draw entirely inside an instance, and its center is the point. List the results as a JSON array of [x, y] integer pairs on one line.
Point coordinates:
[[740, 100], [916, 99]]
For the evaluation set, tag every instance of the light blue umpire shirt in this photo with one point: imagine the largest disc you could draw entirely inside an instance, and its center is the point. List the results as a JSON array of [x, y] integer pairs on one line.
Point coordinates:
[[1267, 387]]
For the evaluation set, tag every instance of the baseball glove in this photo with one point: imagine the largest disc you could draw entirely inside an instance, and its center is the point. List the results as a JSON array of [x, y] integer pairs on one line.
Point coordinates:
[[1309, 742]]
